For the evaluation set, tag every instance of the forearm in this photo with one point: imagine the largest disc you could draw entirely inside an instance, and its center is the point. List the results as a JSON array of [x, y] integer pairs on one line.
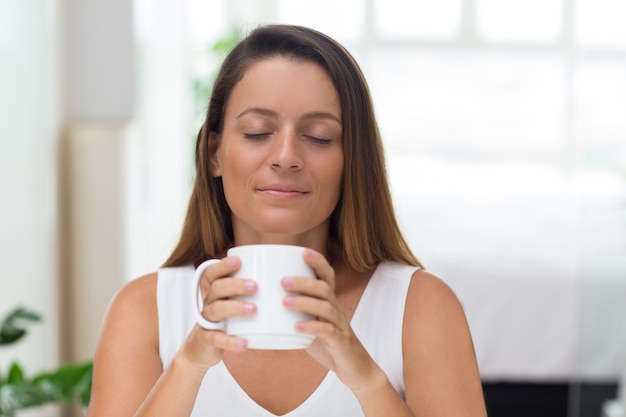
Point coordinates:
[[174, 394], [378, 398]]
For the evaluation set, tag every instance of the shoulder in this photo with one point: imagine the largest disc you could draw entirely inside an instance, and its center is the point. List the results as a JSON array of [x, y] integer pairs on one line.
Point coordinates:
[[434, 317], [434, 320], [138, 293], [430, 290], [127, 358], [133, 309], [439, 356], [430, 301]]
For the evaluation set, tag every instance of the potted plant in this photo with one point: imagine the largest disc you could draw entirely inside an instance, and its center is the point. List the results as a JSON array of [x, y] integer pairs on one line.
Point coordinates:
[[68, 384]]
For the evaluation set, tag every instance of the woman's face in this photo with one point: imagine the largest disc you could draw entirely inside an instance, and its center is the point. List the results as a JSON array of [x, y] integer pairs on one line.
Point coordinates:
[[280, 155]]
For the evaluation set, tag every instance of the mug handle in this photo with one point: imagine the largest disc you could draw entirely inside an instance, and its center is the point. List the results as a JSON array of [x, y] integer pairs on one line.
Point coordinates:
[[198, 302]]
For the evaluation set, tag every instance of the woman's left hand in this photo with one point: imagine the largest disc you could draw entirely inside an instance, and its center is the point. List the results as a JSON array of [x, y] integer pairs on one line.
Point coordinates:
[[335, 346]]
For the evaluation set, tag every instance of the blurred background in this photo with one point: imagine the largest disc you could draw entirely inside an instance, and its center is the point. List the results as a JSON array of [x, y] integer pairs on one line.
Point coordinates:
[[505, 130]]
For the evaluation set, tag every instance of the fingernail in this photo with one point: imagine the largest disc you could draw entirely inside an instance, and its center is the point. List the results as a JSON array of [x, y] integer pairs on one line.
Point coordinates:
[[310, 253], [300, 325], [288, 282], [242, 345], [249, 286], [248, 308], [231, 261], [288, 301]]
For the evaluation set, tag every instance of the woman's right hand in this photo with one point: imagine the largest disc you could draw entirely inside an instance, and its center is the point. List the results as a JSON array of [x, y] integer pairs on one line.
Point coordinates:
[[205, 348], [129, 379]]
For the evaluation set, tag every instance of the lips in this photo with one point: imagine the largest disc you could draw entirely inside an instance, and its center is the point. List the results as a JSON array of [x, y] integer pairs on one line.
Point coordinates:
[[282, 191]]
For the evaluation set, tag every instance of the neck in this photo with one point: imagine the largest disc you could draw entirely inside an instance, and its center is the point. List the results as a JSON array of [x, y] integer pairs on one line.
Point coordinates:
[[315, 241]]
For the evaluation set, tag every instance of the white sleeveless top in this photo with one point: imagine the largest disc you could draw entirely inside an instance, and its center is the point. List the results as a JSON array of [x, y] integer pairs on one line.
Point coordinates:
[[377, 322]]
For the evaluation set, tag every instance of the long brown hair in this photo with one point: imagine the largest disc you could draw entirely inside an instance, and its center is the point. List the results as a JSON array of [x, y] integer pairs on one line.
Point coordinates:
[[363, 227]]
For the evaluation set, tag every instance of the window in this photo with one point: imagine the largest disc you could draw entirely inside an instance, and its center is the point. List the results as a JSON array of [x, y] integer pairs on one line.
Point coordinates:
[[420, 19], [502, 121], [496, 100], [516, 104]]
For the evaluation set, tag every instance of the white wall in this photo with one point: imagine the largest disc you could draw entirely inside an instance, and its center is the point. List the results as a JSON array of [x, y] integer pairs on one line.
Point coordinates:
[[66, 115], [29, 124], [100, 64], [100, 105]]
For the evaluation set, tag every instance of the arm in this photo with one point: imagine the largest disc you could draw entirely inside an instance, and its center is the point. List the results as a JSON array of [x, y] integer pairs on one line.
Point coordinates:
[[439, 363], [129, 379], [337, 347], [440, 368], [127, 364]]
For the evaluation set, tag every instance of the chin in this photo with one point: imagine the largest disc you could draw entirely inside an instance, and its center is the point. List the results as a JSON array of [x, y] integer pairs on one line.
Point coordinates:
[[285, 225]]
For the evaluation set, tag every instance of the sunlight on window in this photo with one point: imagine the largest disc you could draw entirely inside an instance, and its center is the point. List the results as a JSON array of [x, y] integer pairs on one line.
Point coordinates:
[[206, 20], [520, 20], [417, 19], [601, 23], [600, 106], [481, 104], [515, 103], [342, 20]]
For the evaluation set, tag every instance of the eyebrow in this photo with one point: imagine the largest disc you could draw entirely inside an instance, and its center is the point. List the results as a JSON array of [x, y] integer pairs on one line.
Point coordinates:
[[270, 113]]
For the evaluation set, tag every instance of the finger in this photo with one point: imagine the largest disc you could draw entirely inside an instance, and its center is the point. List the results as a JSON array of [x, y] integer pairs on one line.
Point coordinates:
[[221, 309], [324, 310], [320, 266], [232, 287], [223, 268], [305, 285], [319, 329], [216, 282], [223, 341]]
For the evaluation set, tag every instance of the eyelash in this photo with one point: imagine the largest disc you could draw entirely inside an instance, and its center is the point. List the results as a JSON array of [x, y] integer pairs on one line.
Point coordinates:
[[254, 136], [258, 136], [319, 141]]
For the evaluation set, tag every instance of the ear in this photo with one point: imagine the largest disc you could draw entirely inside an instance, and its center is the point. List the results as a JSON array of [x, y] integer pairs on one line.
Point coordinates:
[[213, 149]]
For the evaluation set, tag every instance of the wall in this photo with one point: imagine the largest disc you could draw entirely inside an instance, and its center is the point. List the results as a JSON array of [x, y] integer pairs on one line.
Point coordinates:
[[66, 123], [100, 91], [29, 125]]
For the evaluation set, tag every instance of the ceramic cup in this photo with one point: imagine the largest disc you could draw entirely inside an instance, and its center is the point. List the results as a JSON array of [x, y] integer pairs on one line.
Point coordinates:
[[273, 326]]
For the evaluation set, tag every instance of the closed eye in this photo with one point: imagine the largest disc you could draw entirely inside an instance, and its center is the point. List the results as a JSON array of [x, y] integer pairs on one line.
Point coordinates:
[[256, 135], [320, 141]]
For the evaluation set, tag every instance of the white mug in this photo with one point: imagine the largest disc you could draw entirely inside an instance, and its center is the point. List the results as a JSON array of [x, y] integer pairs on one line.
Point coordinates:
[[273, 326]]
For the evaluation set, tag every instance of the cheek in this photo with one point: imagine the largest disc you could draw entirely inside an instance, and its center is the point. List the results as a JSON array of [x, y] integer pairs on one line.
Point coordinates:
[[231, 173], [334, 178], [233, 164]]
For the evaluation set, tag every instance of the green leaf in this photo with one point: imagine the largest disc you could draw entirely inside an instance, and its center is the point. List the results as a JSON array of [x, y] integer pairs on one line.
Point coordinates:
[[16, 375], [69, 383], [15, 397], [228, 42], [12, 326]]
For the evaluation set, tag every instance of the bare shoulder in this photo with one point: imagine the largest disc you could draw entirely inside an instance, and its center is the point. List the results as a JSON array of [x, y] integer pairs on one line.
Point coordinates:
[[133, 308], [139, 293], [433, 312], [127, 361], [435, 328], [439, 357], [430, 294]]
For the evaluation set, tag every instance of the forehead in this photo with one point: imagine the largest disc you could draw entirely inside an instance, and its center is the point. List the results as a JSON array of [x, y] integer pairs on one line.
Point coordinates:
[[285, 85]]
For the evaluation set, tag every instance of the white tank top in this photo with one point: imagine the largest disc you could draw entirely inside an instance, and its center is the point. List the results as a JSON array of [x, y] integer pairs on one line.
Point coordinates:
[[377, 322]]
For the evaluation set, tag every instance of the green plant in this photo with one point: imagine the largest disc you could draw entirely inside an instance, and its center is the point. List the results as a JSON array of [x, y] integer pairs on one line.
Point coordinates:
[[70, 383], [203, 83]]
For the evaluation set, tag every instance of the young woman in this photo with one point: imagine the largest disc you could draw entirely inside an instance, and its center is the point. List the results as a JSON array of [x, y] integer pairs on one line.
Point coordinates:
[[290, 153]]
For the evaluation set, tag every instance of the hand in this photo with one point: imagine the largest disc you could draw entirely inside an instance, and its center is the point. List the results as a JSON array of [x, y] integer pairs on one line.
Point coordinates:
[[336, 346], [205, 348]]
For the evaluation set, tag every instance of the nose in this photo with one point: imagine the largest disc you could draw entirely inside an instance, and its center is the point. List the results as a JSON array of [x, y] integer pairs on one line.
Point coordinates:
[[286, 153]]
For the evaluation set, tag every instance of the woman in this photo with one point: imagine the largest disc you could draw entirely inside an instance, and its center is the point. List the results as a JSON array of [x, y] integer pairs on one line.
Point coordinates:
[[290, 153]]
